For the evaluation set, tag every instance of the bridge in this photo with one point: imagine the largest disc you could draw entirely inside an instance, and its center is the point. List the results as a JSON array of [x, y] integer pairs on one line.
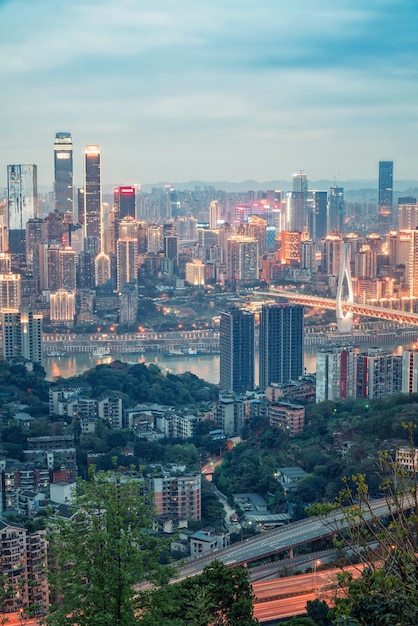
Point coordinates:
[[368, 310], [280, 540]]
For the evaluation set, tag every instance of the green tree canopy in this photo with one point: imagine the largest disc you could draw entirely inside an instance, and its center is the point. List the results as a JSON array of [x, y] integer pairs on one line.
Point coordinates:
[[102, 552]]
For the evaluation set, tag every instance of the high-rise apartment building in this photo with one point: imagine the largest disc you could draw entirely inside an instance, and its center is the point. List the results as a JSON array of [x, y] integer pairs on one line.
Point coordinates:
[[376, 377], [63, 170], [10, 290], [336, 373], [124, 201], [22, 334], [237, 350], [410, 370], [214, 214], [281, 343], [93, 193], [242, 261], [178, 497], [22, 192], [126, 260], [62, 307], [385, 199]]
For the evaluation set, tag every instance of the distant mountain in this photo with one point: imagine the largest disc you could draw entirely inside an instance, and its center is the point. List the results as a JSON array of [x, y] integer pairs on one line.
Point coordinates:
[[363, 188], [285, 185]]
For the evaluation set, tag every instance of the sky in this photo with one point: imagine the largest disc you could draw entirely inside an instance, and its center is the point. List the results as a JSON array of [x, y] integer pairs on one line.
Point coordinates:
[[226, 90]]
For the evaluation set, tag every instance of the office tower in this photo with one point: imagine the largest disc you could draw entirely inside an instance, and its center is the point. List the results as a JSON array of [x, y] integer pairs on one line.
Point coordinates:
[[336, 209], [62, 307], [385, 199], [93, 194], [214, 214], [336, 373], [22, 334], [375, 379], [63, 170], [281, 343], [10, 291], [319, 230], [126, 260], [242, 261], [296, 207], [237, 350], [124, 201], [170, 242], [22, 192], [410, 370]]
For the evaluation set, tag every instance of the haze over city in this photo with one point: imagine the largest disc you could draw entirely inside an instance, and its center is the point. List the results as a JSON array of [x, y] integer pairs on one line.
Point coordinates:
[[211, 91]]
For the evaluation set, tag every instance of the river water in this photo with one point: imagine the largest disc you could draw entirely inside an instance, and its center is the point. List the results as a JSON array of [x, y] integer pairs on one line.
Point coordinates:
[[205, 366]]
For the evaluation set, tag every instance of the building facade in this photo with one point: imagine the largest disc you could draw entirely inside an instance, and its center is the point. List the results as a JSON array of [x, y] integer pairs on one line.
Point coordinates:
[[281, 343], [237, 350]]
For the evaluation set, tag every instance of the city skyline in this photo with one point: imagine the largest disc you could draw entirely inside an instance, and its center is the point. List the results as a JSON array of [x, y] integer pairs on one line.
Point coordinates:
[[214, 92]]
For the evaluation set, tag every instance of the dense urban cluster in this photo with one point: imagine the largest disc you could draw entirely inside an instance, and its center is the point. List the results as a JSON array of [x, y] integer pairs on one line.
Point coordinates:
[[82, 269]]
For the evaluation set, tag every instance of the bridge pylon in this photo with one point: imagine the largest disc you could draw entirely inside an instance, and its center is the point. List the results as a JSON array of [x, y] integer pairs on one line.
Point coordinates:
[[344, 318]]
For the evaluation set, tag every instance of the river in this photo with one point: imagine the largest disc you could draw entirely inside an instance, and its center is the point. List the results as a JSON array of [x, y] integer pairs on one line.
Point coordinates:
[[205, 366]]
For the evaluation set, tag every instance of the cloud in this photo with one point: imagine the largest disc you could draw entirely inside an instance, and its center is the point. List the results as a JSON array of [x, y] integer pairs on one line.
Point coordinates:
[[191, 73]]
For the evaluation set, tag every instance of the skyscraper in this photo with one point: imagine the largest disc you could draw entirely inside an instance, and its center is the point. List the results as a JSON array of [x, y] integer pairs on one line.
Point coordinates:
[[22, 192], [237, 350], [93, 193], [124, 201], [336, 209], [385, 200], [281, 343], [63, 170]]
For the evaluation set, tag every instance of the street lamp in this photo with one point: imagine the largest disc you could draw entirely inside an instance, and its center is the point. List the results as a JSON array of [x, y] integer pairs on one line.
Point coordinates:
[[315, 568]]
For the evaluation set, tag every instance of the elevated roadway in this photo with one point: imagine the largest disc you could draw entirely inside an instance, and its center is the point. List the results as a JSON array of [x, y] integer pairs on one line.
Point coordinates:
[[279, 540]]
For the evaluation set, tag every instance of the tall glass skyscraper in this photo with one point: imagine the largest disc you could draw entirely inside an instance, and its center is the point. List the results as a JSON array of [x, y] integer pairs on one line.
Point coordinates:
[[385, 200], [237, 350], [22, 193], [281, 343], [63, 173], [93, 193]]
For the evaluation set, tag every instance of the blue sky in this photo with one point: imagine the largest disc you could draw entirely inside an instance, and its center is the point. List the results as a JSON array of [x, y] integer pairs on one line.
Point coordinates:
[[175, 90]]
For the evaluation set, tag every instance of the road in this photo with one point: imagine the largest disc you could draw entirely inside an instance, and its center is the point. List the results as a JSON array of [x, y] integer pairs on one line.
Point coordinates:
[[275, 541], [285, 597]]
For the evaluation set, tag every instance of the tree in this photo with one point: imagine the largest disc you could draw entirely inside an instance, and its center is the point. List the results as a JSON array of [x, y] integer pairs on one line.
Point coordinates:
[[220, 596], [387, 591], [99, 554]]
